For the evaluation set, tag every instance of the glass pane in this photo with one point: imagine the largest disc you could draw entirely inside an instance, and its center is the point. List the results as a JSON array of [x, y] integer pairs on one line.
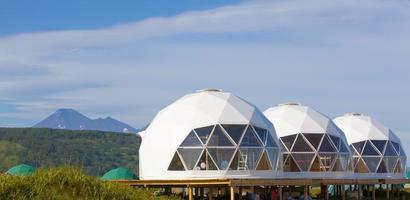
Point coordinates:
[[234, 130], [273, 156], [355, 161], [249, 156], [399, 168], [315, 165], [372, 163], [390, 162], [288, 141], [359, 146], [190, 156], [326, 146], [249, 139], [389, 150], [314, 139], [343, 147], [235, 163], [382, 168], [204, 132], [344, 161], [303, 160], [369, 150], [191, 141], [361, 167], [270, 142], [261, 133], [263, 163], [301, 145], [205, 162], [396, 146], [218, 138], [326, 160], [337, 166], [222, 156], [176, 164], [379, 144], [290, 165], [335, 140]]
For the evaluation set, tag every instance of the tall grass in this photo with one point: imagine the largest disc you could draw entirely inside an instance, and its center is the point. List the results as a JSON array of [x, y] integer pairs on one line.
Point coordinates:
[[68, 183]]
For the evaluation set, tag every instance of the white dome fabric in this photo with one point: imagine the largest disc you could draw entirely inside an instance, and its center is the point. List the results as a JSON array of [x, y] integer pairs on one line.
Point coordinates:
[[376, 149], [209, 134], [312, 145]]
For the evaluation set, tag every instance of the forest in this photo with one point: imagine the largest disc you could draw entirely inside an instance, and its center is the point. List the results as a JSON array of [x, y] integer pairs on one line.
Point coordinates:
[[95, 152]]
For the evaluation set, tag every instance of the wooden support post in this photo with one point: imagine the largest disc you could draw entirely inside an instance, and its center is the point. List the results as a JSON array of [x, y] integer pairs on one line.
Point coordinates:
[[232, 193], [343, 192], [359, 191], [374, 192], [326, 193], [280, 193], [387, 192], [240, 192], [305, 193], [190, 193], [210, 193]]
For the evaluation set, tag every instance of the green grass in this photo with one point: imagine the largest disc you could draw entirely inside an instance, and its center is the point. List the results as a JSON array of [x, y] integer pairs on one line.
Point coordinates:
[[65, 183]]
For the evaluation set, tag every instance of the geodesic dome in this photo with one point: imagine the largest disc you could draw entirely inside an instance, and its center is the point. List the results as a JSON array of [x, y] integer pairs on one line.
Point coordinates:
[[310, 141], [375, 148], [209, 134]]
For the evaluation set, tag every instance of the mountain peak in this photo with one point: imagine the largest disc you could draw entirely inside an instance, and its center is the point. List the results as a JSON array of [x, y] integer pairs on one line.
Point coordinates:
[[68, 118]]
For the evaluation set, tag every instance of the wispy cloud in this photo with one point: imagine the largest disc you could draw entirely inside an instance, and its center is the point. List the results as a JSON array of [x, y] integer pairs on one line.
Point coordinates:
[[337, 56]]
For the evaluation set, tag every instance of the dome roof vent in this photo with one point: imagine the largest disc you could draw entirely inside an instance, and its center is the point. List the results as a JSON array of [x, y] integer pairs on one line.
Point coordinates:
[[210, 90], [354, 114], [289, 104]]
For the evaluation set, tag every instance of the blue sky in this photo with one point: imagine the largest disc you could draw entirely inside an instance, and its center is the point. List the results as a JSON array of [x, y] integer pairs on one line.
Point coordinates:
[[129, 60]]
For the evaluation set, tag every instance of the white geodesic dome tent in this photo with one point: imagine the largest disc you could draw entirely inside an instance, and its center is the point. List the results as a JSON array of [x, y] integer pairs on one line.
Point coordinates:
[[209, 134], [376, 150], [312, 145]]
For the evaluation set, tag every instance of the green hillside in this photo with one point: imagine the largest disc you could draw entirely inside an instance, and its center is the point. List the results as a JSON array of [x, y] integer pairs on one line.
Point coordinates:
[[94, 151]]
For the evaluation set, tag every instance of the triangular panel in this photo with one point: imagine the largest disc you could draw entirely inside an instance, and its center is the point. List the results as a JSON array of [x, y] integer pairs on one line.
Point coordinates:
[[390, 162], [250, 156], [288, 141], [379, 144], [263, 163], [390, 150], [218, 138], [176, 163], [398, 168], [327, 160], [190, 156], [338, 165], [382, 168], [301, 145], [273, 156], [290, 165], [270, 142], [369, 150], [335, 140], [191, 141], [250, 139], [205, 162], [262, 133], [372, 163], [315, 165], [235, 131], [359, 146], [314, 139], [326, 146], [221, 156], [396, 147], [204, 133], [361, 167], [303, 160], [343, 147]]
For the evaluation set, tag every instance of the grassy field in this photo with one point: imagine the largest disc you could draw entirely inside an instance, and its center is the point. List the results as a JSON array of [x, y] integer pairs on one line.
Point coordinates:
[[66, 183]]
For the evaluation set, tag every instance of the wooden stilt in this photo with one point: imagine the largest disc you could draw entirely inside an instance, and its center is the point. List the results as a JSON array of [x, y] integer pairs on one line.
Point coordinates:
[[240, 193], [374, 192], [280, 193], [359, 191], [343, 192], [305, 192], [190, 193], [232, 193], [387, 192]]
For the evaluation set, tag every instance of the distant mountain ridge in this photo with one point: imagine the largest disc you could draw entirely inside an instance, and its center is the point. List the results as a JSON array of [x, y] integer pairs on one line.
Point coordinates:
[[71, 119]]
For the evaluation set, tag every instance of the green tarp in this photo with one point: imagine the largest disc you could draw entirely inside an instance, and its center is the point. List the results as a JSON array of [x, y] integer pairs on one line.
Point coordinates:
[[21, 170], [119, 174]]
